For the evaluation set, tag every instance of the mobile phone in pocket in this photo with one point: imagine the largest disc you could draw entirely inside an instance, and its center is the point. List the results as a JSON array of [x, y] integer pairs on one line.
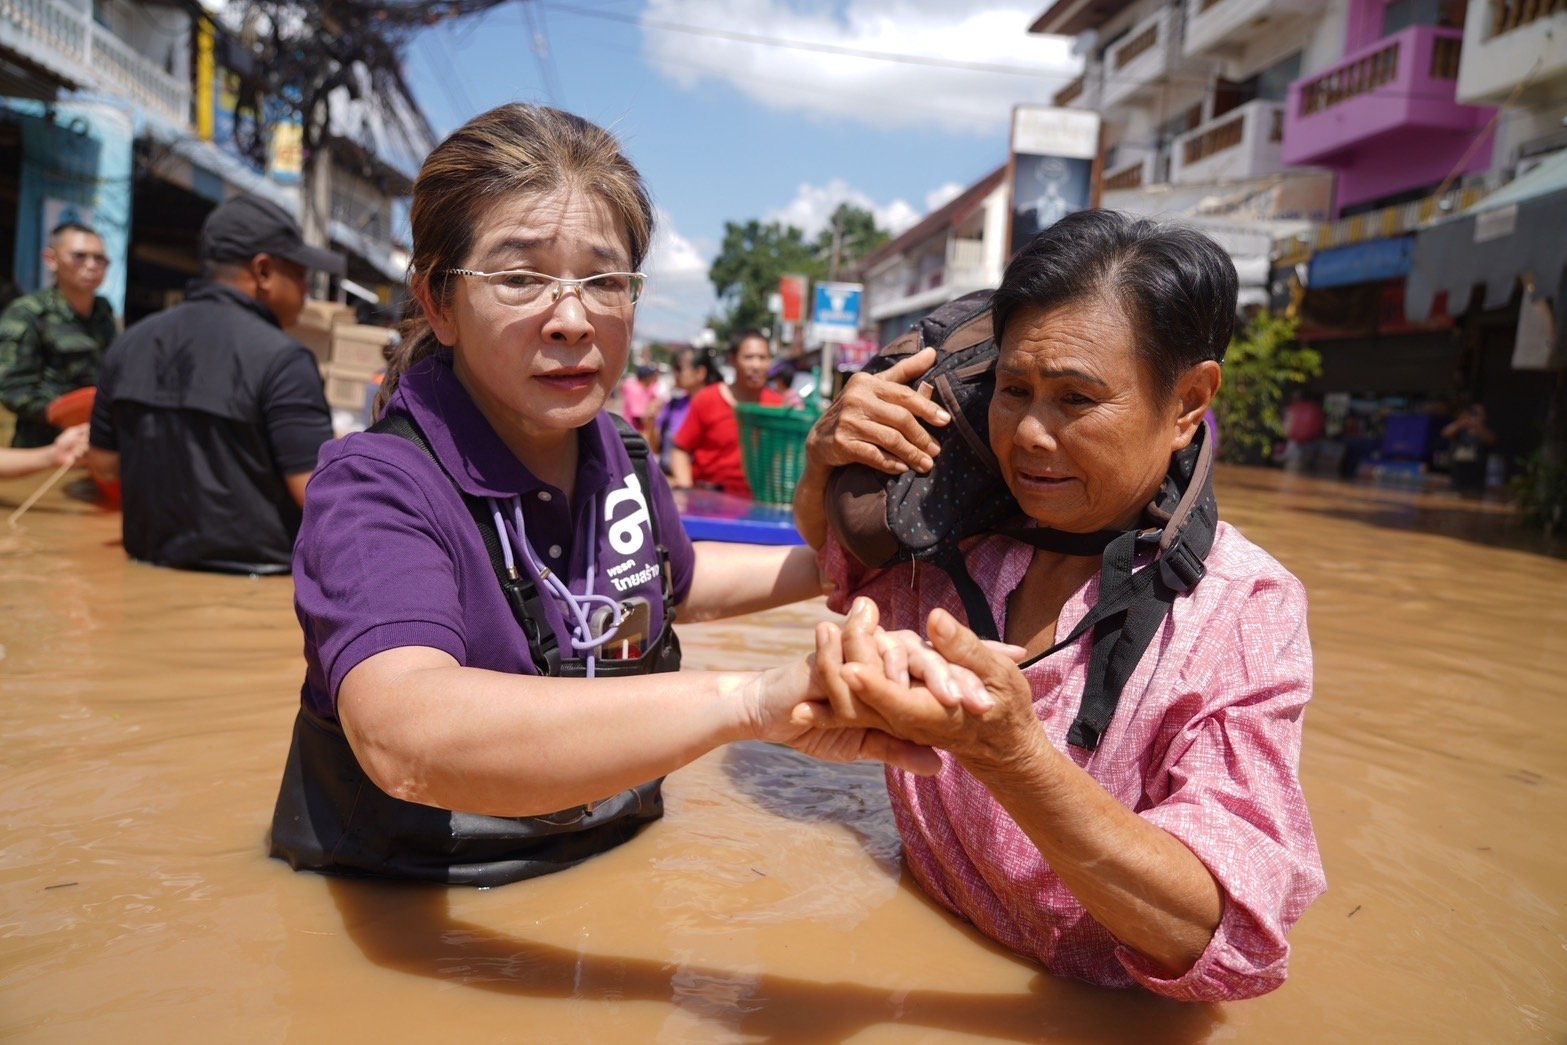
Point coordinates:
[[631, 639]]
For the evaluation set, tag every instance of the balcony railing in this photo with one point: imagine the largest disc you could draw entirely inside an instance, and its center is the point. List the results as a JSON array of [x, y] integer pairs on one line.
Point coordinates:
[[1144, 62], [1136, 173], [1137, 46], [1126, 178], [1507, 15], [86, 55], [54, 32], [1242, 143], [964, 254], [1071, 92], [138, 78], [1376, 69], [1362, 76], [1222, 28], [1222, 136]]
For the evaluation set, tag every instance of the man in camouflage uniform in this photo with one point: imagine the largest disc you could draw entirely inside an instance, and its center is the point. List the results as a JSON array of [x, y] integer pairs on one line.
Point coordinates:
[[52, 342]]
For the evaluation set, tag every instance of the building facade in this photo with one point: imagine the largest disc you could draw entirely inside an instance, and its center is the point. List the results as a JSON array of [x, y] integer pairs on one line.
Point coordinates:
[[123, 114], [1325, 135], [958, 248]]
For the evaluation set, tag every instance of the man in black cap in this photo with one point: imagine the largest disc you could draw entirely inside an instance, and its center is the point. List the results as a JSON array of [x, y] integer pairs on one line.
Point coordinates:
[[208, 414]]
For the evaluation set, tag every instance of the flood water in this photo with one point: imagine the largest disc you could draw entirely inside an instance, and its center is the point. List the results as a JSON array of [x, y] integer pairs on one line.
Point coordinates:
[[147, 712]]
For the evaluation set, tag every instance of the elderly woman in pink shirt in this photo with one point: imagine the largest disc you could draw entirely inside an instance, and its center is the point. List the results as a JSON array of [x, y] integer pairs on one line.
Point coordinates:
[[1177, 851]]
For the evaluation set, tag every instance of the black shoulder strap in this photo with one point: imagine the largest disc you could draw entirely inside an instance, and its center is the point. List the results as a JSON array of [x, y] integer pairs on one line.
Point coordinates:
[[520, 591], [1131, 607]]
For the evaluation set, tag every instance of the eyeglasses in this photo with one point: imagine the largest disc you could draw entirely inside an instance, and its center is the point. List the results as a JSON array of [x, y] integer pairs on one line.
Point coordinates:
[[82, 257], [521, 288]]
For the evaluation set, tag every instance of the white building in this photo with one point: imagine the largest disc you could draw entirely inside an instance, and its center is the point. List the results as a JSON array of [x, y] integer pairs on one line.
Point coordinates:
[[1192, 95], [119, 113], [957, 248]]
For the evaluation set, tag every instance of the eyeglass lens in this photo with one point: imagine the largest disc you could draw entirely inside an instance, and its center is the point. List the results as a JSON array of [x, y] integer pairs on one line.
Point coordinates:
[[609, 290]]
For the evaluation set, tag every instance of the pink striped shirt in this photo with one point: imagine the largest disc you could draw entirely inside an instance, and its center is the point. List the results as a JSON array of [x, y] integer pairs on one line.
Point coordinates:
[[1205, 743]]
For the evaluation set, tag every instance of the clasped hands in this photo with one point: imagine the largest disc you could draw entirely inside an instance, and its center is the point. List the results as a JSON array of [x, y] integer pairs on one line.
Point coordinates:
[[896, 698]]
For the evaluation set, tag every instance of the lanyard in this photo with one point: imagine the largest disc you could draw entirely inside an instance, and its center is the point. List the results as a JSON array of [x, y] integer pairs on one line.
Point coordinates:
[[578, 607]]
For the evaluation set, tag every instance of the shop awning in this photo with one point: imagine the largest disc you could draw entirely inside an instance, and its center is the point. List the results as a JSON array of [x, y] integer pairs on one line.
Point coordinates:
[[378, 255], [1516, 232], [206, 170]]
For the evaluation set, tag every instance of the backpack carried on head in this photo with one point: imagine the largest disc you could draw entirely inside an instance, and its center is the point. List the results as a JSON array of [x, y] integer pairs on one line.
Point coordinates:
[[882, 519]]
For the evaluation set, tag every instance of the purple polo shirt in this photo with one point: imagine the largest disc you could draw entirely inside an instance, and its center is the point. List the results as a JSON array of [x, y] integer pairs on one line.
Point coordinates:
[[388, 554]]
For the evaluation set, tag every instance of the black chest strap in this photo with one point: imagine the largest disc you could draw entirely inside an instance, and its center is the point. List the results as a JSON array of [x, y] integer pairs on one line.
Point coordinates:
[[522, 594]]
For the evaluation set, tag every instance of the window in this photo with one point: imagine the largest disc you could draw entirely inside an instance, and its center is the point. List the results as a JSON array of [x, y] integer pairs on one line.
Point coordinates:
[[1401, 14]]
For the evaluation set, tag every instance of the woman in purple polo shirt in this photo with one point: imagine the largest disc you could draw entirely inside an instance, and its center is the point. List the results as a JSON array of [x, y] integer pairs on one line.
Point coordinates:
[[487, 579]]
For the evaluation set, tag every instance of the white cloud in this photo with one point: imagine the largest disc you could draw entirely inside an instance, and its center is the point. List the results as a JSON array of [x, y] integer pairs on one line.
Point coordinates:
[[813, 205], [943, 195], [679, 297], [993, 43]]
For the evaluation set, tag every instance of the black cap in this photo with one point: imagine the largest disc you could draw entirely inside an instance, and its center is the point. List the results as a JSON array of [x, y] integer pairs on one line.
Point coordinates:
[[240, 228]]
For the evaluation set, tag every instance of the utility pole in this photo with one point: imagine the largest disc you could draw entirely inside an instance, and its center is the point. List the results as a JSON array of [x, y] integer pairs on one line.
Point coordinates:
[[837, 244], [316, 219]]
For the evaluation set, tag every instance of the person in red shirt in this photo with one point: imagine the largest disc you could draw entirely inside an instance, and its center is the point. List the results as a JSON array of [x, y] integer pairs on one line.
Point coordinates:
[[707, 447]]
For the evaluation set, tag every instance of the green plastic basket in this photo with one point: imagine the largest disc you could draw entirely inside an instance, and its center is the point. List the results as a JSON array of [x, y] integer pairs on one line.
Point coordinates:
[[772, 449]]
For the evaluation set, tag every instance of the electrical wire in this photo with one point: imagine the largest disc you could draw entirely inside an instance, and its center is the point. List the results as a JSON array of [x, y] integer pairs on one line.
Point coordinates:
[[541, 53], [803, 45]]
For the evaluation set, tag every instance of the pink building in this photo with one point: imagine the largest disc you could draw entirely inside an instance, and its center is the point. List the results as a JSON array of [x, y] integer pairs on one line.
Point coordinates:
[[1385, 118]]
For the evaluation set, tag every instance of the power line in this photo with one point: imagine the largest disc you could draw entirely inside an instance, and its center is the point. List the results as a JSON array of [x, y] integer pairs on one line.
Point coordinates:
[[805, 45], [541, 53], [1205, 81], [967, 112]]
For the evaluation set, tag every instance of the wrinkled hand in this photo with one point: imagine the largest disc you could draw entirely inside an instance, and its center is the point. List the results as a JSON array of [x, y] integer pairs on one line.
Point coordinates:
[[897, 656], [778, 692], [876, 421], [959, 693], [69, 446]]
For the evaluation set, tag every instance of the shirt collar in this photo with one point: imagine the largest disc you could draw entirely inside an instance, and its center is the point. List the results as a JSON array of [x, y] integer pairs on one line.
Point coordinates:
[[471, 451], [53, 299], [208, 290]]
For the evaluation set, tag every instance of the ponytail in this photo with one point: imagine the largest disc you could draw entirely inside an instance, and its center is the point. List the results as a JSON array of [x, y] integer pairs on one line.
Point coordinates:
[[418, 342]]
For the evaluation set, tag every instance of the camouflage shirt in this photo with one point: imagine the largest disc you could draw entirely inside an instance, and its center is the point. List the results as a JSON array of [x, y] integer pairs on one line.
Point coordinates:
[[47, 350]]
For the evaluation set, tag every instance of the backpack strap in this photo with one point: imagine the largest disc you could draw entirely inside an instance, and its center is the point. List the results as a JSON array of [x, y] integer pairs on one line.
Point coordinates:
[[1131, 608], [522, 595]]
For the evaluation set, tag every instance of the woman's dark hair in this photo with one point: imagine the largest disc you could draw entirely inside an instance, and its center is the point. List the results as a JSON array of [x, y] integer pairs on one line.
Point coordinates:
[[701, 357], [1176, 285], [742, 337], [511, 150]]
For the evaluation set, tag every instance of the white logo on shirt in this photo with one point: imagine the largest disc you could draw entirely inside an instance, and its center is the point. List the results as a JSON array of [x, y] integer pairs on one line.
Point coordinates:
[[625, 535]]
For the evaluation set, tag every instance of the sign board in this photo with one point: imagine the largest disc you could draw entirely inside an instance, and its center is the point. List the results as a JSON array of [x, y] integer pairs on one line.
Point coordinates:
[[1054, 152], [836, 316], [1536, 346], [852, 355], [792, 290], [286, 152]]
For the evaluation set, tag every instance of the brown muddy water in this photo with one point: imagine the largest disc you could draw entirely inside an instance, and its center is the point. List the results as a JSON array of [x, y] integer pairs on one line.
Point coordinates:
[[146, 715]]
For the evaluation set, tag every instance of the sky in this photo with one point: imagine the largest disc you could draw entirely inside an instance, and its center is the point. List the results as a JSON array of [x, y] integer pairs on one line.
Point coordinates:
[[758, 109]]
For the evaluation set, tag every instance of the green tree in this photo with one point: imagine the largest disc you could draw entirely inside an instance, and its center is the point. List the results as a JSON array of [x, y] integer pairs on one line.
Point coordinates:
[[746, 272], [851, 234], [1262, 364], [755, 255]]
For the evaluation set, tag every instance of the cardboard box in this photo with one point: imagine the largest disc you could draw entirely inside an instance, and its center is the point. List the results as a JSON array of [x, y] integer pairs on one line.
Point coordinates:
[[348, 386], [359, 346], [315, 325]]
